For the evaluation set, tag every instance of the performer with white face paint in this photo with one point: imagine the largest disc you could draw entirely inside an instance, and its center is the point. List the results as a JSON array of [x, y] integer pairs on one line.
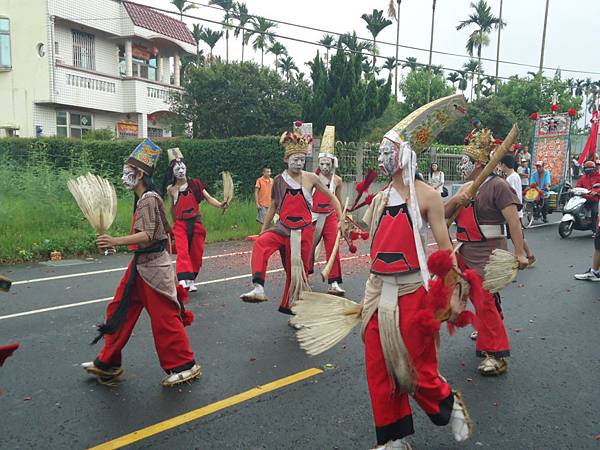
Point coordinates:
[[481, 228], [186, 194], [293, 235], [398, 328], [324, 217], [148, 283]]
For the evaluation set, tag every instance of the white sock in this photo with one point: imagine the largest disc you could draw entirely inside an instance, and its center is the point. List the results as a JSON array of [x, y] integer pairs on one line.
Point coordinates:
[[259, 289]]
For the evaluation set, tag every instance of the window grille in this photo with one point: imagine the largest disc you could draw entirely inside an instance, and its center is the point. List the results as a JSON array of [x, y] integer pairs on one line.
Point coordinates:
[[5, 59], [83, 50]]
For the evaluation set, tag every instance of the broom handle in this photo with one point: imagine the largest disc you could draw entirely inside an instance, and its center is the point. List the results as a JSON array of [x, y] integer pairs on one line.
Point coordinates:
[[489, 168], [336, 246]]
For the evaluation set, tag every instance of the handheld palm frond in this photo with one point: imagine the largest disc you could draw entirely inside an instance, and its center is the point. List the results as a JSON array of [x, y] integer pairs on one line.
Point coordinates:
[[228, 188], [326, 320], [97, 199]]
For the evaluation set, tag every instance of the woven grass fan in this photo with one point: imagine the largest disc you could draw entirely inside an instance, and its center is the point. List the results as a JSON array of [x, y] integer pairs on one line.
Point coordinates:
[[326, 320], [228, 188], [97, 199], [500, 270]]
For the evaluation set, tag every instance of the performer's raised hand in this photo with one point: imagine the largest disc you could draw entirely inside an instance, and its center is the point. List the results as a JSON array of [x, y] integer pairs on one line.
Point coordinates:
[[105, 241]]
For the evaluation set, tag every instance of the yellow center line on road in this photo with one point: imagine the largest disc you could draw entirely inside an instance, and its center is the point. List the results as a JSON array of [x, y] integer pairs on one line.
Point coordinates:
[[196, 414]]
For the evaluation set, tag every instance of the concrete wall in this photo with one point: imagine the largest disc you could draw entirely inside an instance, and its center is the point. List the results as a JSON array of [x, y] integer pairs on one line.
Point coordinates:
[[29, 80]]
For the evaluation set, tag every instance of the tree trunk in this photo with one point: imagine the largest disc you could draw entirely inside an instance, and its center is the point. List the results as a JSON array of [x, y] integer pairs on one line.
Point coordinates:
[[262, 57], [197, 54], [478, 88], [327, 57], [544, 37], [472, 84], [430, 52], [374, 50], [498, 48], [397, 45], [226, 46], [243, 33]]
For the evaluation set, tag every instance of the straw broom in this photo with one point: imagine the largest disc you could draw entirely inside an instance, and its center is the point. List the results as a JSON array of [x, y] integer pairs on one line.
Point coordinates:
[[325, 272], [228, 188], [500, 270], [326, 320], [97, 199]]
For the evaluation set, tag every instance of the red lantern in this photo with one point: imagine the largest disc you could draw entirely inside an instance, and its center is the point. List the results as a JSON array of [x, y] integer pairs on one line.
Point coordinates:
[[554, 108], [534, 116], [572, 112]]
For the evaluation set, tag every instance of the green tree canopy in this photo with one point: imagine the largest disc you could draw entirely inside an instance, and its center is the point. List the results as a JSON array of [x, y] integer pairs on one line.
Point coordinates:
[[414, 88], [238, 100]]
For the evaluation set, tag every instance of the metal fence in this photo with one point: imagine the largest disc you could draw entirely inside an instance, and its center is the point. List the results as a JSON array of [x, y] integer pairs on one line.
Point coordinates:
[[355, 158]]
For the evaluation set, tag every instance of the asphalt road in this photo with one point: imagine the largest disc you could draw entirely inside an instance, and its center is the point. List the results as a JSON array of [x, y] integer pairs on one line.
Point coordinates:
[[548, 399]]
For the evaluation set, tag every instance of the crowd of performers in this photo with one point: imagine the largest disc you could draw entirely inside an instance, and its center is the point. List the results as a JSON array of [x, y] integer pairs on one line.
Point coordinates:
[[403, 305]]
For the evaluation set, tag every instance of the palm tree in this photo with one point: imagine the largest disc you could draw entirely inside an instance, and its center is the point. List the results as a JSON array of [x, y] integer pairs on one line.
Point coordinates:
[[352, 44], [453, 77], [485, 22], [277, 49], [211, 37], [244, 18], [375, 24], [411, 63], [394, 13], [579, 88], [288, 66], [390, 64], [328, 41], [197, 34], [263, 27], [471, 67], [182, 6], [437, 70], [227, 6]]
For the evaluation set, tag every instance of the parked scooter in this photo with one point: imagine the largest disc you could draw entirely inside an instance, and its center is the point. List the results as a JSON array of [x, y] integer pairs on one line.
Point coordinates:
[[576, 214]]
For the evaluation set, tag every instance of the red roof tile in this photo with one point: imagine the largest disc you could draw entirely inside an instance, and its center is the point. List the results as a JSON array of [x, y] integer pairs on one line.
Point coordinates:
[[145, 17]]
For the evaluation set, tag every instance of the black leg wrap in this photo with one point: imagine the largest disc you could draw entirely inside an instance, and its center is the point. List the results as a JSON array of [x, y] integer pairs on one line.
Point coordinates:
[[443, 417], [186, 276], [258, 278], [285, 311], [500, 354], [397, 430], [336, 279], [103, 366], [181, 368]]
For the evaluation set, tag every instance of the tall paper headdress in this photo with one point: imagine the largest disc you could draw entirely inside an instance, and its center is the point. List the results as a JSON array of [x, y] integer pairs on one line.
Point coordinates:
[[328, 145], [145, 156], [173, 154]]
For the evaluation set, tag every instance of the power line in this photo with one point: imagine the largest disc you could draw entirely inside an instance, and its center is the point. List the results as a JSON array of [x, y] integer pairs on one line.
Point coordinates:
[[439, 52]]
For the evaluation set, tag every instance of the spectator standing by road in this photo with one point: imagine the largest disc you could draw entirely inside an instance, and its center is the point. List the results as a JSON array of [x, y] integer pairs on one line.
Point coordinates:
[[524, 173], [436, 178], [262, 194]]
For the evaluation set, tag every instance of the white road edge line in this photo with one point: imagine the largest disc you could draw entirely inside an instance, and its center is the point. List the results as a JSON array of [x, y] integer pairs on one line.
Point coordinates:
[[118, 269], [106, 299]]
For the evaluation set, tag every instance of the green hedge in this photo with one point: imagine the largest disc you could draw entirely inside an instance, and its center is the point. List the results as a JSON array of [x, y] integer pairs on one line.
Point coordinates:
[[206, 158]]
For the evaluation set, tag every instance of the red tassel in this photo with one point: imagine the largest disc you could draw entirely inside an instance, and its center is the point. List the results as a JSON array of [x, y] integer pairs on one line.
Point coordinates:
[[464, 318], [426, 322], [369, 199], [360, 186], [354, 235], [182, 294], [364, 236], [188, 318], [438, 295], [440, 263], [352, 248]]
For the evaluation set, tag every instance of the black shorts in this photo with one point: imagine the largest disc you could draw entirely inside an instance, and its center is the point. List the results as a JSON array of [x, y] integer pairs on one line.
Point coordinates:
[[597, 241]]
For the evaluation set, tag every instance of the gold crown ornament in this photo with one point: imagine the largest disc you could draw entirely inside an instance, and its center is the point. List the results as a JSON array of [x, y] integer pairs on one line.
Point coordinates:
[[480, 146], [294, 143], [173, 154]]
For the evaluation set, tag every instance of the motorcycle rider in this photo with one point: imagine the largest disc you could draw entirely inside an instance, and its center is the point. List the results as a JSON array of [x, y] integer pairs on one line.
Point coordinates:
[[591, 180], [541, 177]]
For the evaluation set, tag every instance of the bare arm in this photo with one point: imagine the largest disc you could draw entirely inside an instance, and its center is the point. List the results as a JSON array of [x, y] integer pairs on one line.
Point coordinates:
[[213, 201], [435, 217], [106, 241], [516, 233], [256, 196], [268, 217], [460, 199], [338, 188]]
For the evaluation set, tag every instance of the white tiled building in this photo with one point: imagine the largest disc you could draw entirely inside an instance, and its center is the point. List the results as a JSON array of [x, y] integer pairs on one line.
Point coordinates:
[[69, 66]]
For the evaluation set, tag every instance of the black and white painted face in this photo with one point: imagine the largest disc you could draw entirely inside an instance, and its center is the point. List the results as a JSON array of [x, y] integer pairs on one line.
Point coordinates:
[[179, 169], [296, 162], [466, 167], [388, 157], [325, 165], [129, 177]]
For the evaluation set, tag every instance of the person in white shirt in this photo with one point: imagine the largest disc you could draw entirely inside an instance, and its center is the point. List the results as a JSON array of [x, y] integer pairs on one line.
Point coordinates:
[[524, 173], [436, 178], [514, 180]]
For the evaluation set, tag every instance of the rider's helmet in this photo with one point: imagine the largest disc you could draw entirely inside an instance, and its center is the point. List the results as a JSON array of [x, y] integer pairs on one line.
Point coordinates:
[[589, 167]]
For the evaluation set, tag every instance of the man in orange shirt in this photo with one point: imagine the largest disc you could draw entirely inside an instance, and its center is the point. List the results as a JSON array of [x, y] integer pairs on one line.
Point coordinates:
[[262, 194]]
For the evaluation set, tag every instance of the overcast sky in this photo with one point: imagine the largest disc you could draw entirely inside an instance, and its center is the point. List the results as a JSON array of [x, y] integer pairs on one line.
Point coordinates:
[[571, 43]]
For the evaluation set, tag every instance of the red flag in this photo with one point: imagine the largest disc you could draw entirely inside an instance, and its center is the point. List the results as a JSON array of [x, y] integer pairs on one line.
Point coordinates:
[[589, 151]]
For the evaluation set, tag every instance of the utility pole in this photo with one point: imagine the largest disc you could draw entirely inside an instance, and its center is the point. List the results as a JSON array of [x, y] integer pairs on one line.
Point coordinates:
[[544, 38], [430, 51], [498, 49], [397, 42]]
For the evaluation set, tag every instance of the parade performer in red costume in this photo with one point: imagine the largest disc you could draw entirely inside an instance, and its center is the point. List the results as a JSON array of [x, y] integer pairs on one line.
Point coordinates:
[[399, 329], [186, 194], [480, 229], [325, 218], [149, 283], [293, 234]]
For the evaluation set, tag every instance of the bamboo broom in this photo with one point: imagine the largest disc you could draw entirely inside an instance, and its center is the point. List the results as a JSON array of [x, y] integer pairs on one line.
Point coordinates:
[[325, 272]]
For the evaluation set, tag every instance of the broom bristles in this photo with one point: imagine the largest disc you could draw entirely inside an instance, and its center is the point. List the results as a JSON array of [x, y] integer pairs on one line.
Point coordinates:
[[97, 199], [500, 271], [228, 187], [325, 319]]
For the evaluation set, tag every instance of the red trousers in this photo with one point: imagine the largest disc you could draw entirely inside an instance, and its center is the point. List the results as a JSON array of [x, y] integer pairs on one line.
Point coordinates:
[[492, 338], [267, 244], [329, 235], [170, 339], [189, 251], [391, 407]]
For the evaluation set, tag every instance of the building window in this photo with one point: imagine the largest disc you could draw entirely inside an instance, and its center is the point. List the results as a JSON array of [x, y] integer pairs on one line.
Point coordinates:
[[73, 124], [83, 50], [155, 132], [5, 61], [144, 63]]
